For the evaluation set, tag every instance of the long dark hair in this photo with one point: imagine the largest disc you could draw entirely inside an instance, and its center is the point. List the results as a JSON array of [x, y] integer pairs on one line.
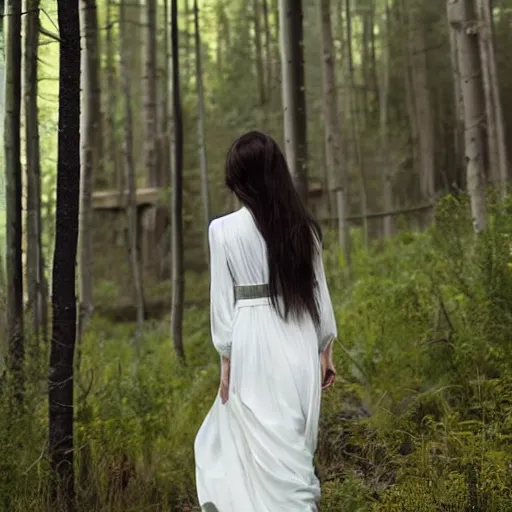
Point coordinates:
[[256, 171]]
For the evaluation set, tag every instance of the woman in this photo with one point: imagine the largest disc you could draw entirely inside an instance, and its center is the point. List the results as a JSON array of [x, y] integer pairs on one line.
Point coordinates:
[[273, 324]]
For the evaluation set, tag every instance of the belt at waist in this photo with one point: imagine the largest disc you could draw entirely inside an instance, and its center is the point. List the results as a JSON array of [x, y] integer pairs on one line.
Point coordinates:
[[251, 291]]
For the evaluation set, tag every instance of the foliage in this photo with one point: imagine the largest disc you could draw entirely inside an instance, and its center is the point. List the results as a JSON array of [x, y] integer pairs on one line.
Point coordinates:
[[419, 421]]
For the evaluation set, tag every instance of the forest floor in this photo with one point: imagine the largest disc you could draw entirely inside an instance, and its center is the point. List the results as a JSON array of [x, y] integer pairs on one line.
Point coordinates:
[[419, 420]]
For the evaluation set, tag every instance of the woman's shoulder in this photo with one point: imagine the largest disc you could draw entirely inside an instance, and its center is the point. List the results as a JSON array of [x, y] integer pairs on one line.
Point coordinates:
[[226, 223]]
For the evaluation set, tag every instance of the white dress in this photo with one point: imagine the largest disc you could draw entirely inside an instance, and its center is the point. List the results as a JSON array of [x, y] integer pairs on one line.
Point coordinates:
[[255, 453]]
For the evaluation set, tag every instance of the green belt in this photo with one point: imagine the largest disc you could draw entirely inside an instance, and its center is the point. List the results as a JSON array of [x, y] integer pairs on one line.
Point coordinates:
[[251, 291]]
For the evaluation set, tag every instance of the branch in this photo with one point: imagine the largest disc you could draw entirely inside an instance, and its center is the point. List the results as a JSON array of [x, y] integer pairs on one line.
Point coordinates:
[[392, 213], [49, 34]]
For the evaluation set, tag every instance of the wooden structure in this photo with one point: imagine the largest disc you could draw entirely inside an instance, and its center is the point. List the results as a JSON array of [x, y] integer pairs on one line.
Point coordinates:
[[111, 272]]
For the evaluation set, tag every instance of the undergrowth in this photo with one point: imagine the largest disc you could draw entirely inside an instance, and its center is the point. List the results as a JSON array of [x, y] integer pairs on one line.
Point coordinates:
[[420, 419]]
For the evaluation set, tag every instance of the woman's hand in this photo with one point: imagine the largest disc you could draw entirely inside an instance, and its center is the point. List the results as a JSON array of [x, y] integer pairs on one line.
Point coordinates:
[[328, 369], [224, 379]]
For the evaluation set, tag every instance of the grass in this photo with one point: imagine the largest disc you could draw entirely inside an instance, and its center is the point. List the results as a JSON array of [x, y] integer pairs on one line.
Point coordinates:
[[420, 419]]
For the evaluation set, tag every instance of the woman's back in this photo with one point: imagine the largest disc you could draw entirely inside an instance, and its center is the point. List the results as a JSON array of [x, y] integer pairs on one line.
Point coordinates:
[[245, 247], [255, 452]]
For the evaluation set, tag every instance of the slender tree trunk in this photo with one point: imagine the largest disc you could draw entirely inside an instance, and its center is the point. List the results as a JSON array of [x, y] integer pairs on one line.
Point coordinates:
[[60, 378], [462, 19], [178, 277], [387, 171], [130, 181], [90, 158], [259, 51], [164, 138], [458, 120], [498, 158], [186, 17], [35, 263], [200, 130], [112, 89], [353, 102], [268, 52], [3, 284], [148, 14], [14, 195], [337, 172], [423, 105], [294, 99]]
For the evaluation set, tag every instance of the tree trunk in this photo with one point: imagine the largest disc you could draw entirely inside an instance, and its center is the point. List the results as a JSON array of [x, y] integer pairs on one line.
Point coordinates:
[[423, 105], [112, 152], [458, 120], [259, 51], [200, 130], [3, 283], [498, 158], [60, 377], [353, 108], [293, 91], [164, 137], [387, 170], [129, 179], [150, 92], [337, 171], [186, 17], [14, 195], [90, 134], [462, 19], [35, 262], [178, 277], [268, 52]]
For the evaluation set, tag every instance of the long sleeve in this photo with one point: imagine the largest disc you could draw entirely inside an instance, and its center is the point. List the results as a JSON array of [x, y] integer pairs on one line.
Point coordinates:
[[222, 299], [327, 330]]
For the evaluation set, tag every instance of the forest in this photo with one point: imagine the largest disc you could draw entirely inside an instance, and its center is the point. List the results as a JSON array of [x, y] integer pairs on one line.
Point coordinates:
[[116, 117]]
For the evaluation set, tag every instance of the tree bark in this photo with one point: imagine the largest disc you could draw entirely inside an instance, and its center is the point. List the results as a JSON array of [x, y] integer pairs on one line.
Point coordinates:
[[498, 158], [112, 88], [458, 120], [387, 170], [178, 277], [35, 262], [90, 134], [421, 98], [60, 378], [461, 16], [12, 142], [150, 92], [293, 92], [259, 51], [268, 52], [129, 179], [355, 115], [200, 130], [337, 171]]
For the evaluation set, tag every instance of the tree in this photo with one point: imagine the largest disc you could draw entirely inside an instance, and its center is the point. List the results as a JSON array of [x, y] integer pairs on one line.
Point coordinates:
[[421, 99], [200, 128], [337, 172], [498, 157], [259, 50], [129, 166], [387, 172], [60, 377], [178, 277], [110, 135], [12, 142], [461, 16], [35, 261], [91, 155], [293, 92], [150, 92]]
